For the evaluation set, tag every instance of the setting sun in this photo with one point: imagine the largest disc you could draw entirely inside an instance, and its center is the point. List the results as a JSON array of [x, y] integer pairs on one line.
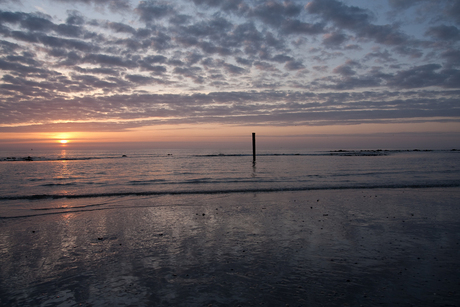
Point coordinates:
[[63, 141]]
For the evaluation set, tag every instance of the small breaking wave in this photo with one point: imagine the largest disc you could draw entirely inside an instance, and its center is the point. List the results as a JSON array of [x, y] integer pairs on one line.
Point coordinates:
[[58, 184], [230, 191], [68, 207]]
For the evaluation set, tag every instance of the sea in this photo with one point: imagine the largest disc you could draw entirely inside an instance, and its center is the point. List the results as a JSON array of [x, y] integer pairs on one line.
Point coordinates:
[[58, 181], [214, 228]]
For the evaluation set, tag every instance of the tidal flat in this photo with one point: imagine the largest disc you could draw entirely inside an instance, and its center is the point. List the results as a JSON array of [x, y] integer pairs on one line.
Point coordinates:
[[360, 247]]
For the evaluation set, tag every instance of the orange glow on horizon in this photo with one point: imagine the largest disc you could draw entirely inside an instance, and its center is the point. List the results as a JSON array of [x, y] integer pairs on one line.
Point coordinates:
[[220, 135]]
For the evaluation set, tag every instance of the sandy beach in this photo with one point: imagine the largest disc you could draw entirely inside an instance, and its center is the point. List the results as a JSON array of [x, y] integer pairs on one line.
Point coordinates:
[[375, 247]]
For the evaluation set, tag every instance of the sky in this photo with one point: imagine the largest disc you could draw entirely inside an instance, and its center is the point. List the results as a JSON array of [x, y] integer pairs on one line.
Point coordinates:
[[207, 73]]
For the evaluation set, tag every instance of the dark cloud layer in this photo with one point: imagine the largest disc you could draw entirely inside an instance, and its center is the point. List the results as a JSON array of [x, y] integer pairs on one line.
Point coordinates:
[[233, 61]]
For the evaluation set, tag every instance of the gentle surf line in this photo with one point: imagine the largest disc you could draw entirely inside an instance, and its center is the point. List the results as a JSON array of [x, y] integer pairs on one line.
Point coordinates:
[[230, 191], [67, 208]]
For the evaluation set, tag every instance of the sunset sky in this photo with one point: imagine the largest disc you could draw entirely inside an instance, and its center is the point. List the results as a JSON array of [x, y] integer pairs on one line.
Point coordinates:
[[207, 73]]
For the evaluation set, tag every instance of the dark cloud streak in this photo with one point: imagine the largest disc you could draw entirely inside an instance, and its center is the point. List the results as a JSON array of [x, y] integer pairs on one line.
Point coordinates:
[[266, 108]]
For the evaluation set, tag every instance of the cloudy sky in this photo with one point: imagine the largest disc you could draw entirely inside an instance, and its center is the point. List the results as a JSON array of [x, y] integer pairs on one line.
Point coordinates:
[[321, 73]]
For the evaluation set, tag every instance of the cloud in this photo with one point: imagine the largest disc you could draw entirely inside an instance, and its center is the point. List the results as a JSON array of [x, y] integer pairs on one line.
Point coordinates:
[[347, 68], [108, 60], [211, 28], [159, 41], [150, 11], [441, 10], [33, 22], [97, 71], [36, 22], [190, 72], [26, 58], [225, 5], [91, 82], [74, 18], [38, 26], [68, 30], [119, 27], [143, 80], [334, 40], [453, 11], [155, 59], [156, 69], [56, 42], [386, 34], [261, 108], [299, 27], [347, 81], [113, 5], [422, 76], [19, 68], [357, 20], [23, 36], [380, 56], [265, 66], [294, 65], [275, 13], [12, 1], [281, 58], [243, 61], [193, 58], [348, 17], [444, 32], [223, 55], [425, 76], [232, 69], [403, 4], [452, 57]]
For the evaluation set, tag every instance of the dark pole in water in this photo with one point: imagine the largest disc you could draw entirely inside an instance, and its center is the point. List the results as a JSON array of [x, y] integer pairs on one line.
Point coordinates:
[[253, 147]]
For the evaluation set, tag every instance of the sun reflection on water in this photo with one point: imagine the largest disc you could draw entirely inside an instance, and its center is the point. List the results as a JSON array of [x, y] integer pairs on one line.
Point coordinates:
[[62, 171]]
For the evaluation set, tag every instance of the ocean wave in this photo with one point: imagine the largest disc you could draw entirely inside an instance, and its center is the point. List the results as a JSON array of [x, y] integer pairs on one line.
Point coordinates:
[[147, 182], [231, 191], [209, 181], [68, 207], [58, 184]]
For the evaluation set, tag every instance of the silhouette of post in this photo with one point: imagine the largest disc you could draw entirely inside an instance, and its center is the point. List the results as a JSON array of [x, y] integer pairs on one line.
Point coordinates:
[[253, 147]]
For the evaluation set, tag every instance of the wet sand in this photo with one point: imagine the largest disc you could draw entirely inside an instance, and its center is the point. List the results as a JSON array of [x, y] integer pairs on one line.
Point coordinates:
[[387, 247]]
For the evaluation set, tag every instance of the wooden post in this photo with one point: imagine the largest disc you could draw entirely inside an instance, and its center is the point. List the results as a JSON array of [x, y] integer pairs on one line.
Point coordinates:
[[253, 147]]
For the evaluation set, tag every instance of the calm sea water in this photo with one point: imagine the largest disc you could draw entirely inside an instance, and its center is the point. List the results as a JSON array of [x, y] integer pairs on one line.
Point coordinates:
[[201, 228], [43, 182]]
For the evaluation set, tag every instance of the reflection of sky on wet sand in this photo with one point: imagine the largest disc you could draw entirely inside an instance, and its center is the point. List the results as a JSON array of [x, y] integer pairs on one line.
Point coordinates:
[[304, 248]]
